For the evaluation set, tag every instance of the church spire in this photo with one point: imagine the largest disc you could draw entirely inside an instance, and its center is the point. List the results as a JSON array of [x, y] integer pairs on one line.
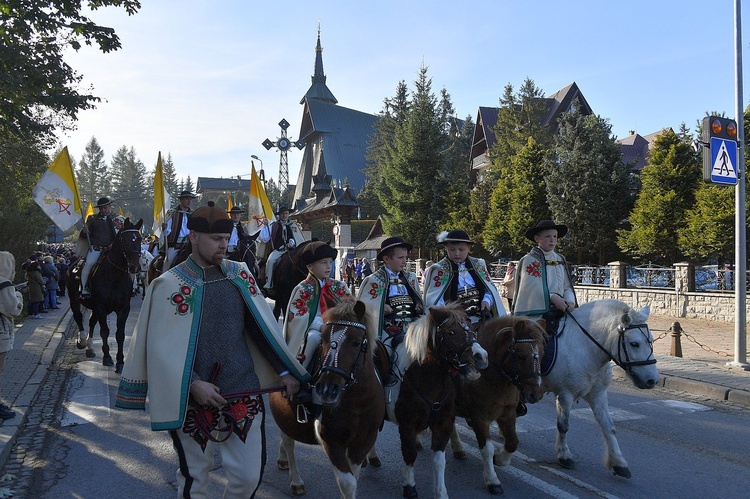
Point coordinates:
[[318, 90]]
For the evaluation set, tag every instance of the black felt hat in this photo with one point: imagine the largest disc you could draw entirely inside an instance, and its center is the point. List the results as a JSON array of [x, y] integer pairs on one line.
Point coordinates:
[[210, 219], [282, 207], [317, 250], [454, 236], [103, 202], [236, 209], [186, 194], [393, 242], [544, 225]]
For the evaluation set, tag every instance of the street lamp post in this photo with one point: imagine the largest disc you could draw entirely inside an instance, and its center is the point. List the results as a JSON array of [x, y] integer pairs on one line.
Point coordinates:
[[261, 173]]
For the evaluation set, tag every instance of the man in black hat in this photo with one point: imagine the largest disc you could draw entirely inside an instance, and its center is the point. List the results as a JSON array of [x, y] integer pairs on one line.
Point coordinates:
[[238, 233], [544, 285], [282, 240], [176, 229], [99, 232], [208, 341], [391, 294]]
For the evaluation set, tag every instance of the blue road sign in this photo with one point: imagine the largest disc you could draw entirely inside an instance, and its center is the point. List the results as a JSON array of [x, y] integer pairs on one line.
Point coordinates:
[[723, 161]]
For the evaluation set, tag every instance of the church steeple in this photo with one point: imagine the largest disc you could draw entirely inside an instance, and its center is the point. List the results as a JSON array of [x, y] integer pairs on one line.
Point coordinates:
[[318, 90]]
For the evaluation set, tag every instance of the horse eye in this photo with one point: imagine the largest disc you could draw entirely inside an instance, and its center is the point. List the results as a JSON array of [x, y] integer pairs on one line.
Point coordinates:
[[356, 344], [635, 344]]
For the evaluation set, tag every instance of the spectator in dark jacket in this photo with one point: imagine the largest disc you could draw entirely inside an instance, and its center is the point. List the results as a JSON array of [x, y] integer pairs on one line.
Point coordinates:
[[36, 288], [62, 269], [52, 276]]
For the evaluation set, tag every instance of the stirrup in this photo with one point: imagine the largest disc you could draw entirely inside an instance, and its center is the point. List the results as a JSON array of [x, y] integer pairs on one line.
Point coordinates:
[[302, 413]]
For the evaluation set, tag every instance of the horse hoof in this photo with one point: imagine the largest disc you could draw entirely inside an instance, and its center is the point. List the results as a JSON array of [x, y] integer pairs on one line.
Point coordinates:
[[375, 461], [118, 367], [568, 464], [107, 361], [80, 344], [90, 353], [283, 465], [496, 489], [460, 454], [298, 490], [622, 471], [410, 491]]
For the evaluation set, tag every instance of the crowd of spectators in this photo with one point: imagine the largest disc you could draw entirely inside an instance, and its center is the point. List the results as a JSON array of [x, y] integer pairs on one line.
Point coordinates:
[[46, 271]]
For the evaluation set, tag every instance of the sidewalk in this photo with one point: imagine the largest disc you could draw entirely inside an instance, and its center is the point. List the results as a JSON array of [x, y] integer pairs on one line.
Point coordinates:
[[706, 346]]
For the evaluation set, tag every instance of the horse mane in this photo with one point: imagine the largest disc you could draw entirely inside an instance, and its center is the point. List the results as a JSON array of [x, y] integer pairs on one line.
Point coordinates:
[[606, 315], [420, 336], [345, 311]]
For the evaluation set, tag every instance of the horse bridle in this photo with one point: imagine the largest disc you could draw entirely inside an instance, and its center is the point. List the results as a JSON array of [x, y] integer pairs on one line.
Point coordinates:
[[514, 377], [627, 365], [454, 358], [332, 356], [124, 253]]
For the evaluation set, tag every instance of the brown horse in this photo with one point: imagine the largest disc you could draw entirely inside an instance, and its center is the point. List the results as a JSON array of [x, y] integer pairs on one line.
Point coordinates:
[[287, 273], [515, 346], [439, 345], [352, 397]]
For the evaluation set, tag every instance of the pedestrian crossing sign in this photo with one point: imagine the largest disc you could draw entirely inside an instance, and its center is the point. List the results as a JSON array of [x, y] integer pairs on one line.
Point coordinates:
[[723, 167]]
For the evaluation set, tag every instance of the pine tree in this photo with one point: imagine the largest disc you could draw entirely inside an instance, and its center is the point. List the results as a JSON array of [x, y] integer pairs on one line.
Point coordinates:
[[188, 185], [709, 225], [170, 177], [457, 174], [409, 173], [588, 186], [132, 191], [92, 175], [669, 184]]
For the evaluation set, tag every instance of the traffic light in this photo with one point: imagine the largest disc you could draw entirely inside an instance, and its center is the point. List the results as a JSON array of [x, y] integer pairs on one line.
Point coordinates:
[[719, 137]]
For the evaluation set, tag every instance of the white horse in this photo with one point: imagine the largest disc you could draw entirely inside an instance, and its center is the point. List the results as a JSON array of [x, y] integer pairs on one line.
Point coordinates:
[[145, 260], [590, 337]]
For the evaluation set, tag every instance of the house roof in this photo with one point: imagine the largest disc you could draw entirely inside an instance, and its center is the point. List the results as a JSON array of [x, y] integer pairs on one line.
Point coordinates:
[[375, 238], [204, 184], [635, 148]]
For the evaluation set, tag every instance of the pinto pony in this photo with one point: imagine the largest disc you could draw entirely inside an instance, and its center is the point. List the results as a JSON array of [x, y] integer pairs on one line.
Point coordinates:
[[352, 396], [515, 347], [111, 287], [439, 345]]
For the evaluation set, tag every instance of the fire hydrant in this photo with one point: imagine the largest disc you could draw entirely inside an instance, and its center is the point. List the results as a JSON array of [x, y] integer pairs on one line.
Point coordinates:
[[676, 349]]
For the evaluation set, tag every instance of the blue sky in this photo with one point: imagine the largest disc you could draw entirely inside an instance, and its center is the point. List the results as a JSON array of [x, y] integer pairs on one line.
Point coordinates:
[[209, 81]]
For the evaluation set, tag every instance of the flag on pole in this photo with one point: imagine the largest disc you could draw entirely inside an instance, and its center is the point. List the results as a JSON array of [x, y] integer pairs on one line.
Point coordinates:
[[161, 199], [258, 207], [89, 212], [229, 205], [119, 211], [57, 193]]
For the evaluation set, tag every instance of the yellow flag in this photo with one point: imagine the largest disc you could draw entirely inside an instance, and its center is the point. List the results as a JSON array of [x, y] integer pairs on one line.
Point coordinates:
[[258, 207], [57, 192], [229, 205], [89, 211], [119, 211], [161, 198]]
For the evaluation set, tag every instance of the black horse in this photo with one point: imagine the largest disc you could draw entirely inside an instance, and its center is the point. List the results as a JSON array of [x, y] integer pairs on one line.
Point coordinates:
[[111, 285]]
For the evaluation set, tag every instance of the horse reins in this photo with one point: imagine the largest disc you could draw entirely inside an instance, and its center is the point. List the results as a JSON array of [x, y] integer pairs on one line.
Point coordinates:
[[454, 358], [124, 253], [621, 347]]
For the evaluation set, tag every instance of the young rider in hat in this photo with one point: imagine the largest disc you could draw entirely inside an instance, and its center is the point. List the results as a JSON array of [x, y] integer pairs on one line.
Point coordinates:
[[237, 235], [544, 285], [100, 232], [176, 229], [392, 295], [462, 278], [206, 332], [310, 298], [282, 240]]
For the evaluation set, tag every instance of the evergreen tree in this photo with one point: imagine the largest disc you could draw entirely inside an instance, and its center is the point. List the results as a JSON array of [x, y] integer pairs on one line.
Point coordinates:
[[709, 225], [588, 186], [518, 202], [132, 191], [273, 192], [456, 177], [669, 184], [93, 176], [188, 185], [170, 177], [409, 173]]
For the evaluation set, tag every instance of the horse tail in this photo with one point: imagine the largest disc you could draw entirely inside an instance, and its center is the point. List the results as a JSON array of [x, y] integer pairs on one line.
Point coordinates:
[[418, 336]]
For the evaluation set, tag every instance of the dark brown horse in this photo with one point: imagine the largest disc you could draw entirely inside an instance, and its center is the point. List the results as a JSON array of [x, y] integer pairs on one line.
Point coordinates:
[[352, 397], [439, 345], [111, 286], [515, 346], [287, 273]]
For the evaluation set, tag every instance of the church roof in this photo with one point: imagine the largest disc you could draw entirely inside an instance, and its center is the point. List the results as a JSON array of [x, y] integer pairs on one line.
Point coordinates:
[[319, 90], [336, 141]]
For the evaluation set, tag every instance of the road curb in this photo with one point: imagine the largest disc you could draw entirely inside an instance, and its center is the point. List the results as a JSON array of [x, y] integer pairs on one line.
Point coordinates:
[[11, 428]]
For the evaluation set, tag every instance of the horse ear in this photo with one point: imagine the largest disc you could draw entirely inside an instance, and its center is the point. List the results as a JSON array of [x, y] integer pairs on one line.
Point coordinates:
[[127, 224], [360, 310], [139, 224], [438, 313], [645, 312]]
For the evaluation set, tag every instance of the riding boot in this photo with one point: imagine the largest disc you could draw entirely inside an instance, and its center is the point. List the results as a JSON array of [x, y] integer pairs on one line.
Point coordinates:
[[391, 378]]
